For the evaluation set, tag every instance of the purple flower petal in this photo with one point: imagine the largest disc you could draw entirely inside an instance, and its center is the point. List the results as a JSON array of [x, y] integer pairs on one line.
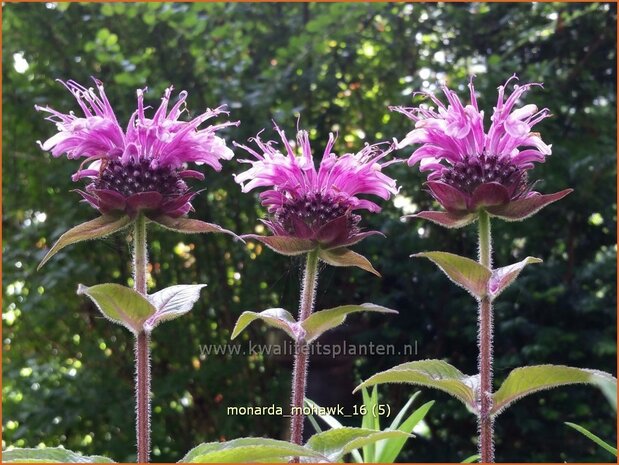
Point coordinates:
[[334, 232], [191, 174], [520, 209], [178, 202], [488, 195], [91, 199], [181, 211], [315, 202], [449, 197], [148, 159], [446, 219], [109, 200], [144, 201], [301, 230]]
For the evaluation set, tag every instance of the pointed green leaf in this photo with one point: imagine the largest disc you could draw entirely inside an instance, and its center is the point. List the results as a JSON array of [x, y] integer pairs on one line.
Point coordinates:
[[335, 443], [276, 317], [430, 373], [504, 276], [284, 245], [173, 302], [600, 442], [245, 450], [609, 389], [120, 304], [471, 459], [324, 320], [387, 451], [400, 416], [463, 271], [370, 421], [50, 455], [190, 226], [95, 229], [346, 257], [327, 418], [528, 380]]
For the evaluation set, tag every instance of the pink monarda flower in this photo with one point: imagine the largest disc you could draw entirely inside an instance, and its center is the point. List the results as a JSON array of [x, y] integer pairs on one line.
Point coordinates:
[[313, 206], [143, 168], [470, 169]]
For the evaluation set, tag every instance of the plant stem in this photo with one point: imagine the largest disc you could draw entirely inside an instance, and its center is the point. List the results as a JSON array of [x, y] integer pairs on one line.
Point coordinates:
[[142, 352], [486, 422], [301, 357]]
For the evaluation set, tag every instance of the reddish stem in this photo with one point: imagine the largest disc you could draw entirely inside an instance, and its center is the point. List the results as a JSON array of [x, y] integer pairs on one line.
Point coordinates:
[[485, 420], [142, 351], [301, 357]]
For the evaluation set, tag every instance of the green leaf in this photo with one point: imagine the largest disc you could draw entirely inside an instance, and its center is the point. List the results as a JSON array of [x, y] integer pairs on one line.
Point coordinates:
[[172, 302], [247, 450], [346, 257], [609, 389], [504, 276], [600, 442], [120, 304], [276, 317], [284, 245], [528, 380], [319, 322], [400, 416], [389, 449], [464, 272], [50, 455], [335, 443], [430, 373], [450, 220], [370, 421], [190, 226], [329, 420], [472, 458], [94, 229]]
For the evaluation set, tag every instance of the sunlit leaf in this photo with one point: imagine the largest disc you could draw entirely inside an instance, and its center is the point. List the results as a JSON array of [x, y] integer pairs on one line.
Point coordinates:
[[319, 322], [346, 257], [94, 229], [276, 317], [173, 302], [190, 226], [335, 443], [245, 450], [430, 373], [50, 455], [504, 276], [463, 271], [283, 244], [528, 380], [120, 304]]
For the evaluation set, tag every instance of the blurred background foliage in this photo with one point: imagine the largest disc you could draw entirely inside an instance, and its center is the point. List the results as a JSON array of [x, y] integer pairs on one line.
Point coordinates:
[[68, 374]]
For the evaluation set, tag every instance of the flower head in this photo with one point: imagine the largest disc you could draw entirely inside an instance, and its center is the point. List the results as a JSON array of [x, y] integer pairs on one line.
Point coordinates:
[[143, 167], [470, 168], [318, 205]]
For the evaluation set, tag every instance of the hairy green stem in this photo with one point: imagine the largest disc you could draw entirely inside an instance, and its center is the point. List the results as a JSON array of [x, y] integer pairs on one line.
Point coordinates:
[[142, 351], [486, 422], [301, 358]]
